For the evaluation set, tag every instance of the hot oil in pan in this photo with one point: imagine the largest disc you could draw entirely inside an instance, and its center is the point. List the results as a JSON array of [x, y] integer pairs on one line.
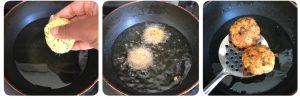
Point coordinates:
[[39, 65], [171, 59], [279, 42]]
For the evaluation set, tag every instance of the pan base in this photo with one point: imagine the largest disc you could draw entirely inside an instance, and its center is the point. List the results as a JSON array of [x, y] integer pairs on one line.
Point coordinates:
[[171, 60], [41, 66]]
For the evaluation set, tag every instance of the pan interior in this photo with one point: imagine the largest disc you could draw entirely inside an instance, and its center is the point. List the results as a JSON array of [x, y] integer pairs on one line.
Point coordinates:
[[171, 59], [278, 41], [39, 65]]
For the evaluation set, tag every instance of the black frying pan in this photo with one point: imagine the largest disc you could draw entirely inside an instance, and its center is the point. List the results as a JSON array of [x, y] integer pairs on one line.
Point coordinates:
[[278, 24], [138, 12], [24, 42]]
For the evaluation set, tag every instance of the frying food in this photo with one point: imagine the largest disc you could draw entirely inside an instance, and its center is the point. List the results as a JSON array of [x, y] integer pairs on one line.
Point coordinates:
[[140, 58], [244, 32], [258, 59], [154, 35], [59, 46]]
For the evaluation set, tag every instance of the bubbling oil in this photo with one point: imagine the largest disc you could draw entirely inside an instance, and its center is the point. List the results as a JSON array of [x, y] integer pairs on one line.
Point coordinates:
[[154, 34], [171, 59]]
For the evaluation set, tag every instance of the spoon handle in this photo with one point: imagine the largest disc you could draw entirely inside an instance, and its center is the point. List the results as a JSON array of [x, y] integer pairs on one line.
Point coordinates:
[[214, 82]]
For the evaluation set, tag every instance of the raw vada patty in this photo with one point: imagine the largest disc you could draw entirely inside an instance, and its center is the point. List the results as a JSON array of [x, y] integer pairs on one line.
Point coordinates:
[[258, 59], [154, 35], [244, 32], [140, 58], [59, 46]]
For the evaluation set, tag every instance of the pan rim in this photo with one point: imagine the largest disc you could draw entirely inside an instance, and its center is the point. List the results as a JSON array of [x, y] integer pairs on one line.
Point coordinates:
[[109, 14], [292, 2], [126, 94]]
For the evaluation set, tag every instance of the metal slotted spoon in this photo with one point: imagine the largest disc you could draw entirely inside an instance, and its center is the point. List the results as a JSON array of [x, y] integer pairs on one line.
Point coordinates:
[[231, 60]]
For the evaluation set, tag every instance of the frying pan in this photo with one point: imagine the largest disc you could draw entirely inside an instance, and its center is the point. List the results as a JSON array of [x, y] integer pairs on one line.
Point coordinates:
[[278, 24], [139, 12], [24, 43]]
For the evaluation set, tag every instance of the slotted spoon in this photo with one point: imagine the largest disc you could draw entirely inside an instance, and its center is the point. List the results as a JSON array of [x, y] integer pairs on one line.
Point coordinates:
[[230, 58]]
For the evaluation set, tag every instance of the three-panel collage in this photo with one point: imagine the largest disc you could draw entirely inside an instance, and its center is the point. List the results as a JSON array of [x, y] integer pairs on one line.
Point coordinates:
[[150, 48]]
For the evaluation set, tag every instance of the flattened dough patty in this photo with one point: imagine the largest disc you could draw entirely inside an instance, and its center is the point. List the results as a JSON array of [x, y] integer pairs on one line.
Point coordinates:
[[154, 35], [59, 46], [244, 32], [258, 59], [140, 58]]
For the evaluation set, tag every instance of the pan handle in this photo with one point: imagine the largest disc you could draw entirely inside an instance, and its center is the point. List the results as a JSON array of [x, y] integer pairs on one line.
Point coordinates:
[[215, 82]]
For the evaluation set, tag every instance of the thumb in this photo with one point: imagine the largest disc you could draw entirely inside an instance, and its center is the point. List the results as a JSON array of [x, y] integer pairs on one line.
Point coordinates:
[[67, 31]]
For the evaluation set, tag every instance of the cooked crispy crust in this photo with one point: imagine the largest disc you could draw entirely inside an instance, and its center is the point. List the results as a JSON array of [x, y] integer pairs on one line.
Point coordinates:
[[244, 32], [258, 59]]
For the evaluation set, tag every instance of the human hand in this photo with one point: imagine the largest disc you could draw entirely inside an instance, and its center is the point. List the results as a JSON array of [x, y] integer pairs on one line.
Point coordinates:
[[83, 27]]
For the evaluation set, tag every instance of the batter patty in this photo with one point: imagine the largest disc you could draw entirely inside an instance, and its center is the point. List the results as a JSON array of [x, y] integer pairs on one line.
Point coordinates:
[[154, 35], [244, 32], [59, 46], [140, 58], [258, 59]]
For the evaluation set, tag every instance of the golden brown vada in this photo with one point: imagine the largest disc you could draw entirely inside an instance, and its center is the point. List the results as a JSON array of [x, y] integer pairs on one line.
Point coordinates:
[[244, 32], [258, 59]]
